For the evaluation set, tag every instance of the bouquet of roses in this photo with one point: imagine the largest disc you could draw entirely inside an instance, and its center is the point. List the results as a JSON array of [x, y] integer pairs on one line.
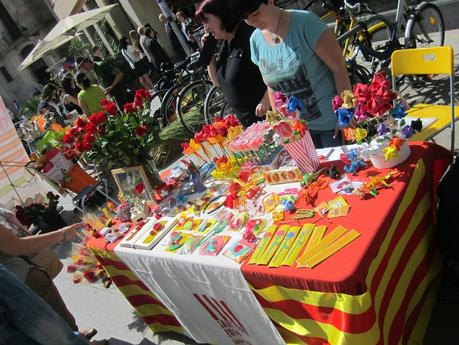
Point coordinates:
[[116, 138], [367, 114]]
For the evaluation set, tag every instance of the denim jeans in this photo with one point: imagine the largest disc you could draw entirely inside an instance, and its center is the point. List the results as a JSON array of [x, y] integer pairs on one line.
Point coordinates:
[[323, 139], [26, 319]]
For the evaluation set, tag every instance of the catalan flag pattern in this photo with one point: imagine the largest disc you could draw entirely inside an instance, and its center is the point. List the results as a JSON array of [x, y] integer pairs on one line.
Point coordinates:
[[151, 310], [401, 283]]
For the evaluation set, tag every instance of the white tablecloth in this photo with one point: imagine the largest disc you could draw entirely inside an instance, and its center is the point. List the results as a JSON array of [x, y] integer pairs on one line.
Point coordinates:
[[208, 295]]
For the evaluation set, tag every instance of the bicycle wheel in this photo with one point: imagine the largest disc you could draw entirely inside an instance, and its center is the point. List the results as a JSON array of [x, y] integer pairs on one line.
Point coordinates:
[[426, 27], [190, 104], [376, 39], [214, 104], [155, 105], [357, 73], [168, 110]]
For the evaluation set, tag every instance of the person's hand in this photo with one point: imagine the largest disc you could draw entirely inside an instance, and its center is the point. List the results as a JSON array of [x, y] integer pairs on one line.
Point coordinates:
[[107, 90], [261, 109], [204, 38], [70, 232]]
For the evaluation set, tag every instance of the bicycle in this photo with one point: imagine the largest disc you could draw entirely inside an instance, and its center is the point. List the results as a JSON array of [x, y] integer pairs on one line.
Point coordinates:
[[423, 25]]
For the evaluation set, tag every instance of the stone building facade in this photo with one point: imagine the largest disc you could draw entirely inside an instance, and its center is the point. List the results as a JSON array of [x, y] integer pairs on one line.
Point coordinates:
[[22, 24]]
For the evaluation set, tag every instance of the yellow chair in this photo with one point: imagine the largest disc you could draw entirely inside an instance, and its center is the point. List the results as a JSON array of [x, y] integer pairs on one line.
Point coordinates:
[[428, 61]]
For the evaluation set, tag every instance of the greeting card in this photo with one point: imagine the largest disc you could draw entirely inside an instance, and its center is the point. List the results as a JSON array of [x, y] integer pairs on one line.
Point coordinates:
[[153, 232], [204, 226], [176, 241], [214, 246], [240, 250], [190, 244]]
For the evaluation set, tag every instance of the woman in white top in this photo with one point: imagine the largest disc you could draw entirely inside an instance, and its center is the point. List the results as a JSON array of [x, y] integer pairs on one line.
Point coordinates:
[[136, 59]]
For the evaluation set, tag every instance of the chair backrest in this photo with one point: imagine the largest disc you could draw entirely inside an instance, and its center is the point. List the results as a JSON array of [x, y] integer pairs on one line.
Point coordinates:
[[436, 60], [427, 61]]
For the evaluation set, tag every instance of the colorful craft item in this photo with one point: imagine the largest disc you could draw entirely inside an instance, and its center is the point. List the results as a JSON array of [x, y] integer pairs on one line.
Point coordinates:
[[255, 225], [238, 220], [227, 168], [283, 176], [298, 245], [263, 244], [214, 245], [270, 202], [190, 245], [353, 162], [331, 249], [152, 232], [285, 246], [304, 213], [240, 250], [204, 226], [252, 138], [176, 241], [319, 245], [338, 207], [123, 211], [278, 215], [273, 245]]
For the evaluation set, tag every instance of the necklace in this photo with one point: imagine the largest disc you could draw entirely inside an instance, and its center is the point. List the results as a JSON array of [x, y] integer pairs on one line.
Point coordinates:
[[275, 37]]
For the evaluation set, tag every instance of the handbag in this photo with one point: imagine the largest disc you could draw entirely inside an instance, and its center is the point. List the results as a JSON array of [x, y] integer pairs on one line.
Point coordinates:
[[47, 261]]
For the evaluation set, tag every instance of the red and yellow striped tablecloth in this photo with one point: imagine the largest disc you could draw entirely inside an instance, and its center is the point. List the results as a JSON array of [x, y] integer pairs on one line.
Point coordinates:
[[150, 309], [379, 289]]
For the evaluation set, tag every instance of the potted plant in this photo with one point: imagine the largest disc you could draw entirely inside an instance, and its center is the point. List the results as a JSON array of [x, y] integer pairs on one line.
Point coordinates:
[[43, 215]]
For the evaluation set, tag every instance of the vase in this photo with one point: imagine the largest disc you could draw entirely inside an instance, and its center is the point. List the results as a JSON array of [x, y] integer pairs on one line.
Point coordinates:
[[304, 153], [379, 162], [152, 173]]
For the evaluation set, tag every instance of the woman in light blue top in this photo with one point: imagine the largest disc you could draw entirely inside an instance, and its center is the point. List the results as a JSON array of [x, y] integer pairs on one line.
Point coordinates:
[[299, 56]]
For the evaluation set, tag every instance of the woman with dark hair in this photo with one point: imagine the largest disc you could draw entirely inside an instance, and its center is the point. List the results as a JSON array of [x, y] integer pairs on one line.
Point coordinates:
[[237, 76], [299, 56], [133, 54], [156, 49], [70, 97], [90, 96], [49, 104]]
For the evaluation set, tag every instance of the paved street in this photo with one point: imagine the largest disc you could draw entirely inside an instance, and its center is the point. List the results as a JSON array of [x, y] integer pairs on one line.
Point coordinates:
[[108, 311]]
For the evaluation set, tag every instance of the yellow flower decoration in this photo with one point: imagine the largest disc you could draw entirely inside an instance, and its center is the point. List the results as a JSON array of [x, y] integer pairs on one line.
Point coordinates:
[[273, 116], [390, 152], [348, 99], [360, 134], [233, 132]]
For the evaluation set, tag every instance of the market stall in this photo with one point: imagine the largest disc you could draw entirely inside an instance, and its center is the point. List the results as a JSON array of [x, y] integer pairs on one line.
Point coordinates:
[[271, 241]]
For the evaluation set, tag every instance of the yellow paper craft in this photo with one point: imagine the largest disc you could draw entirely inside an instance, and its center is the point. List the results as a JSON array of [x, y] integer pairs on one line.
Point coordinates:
[[273, 245], [332, 249], [189, 225], [153, 233], [270, 202], [177, 240], [338, 207], [284, 248], [298, 245], [263, 244], [324, 243], [316, 237]]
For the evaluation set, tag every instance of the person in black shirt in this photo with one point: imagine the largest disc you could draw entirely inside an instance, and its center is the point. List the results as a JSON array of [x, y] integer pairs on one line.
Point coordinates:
[[238, 77]]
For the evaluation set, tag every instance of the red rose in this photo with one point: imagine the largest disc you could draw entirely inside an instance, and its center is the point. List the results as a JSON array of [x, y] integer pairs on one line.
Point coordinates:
[[88, 140], [79, 146], [145, 94], [244, 176], [362, 93], [98, 118], [185, 145], [141, 130], [139, 188], [138, 101], [129, 108], [80, 123], [90, 128], [223, 131], [231, 121], [73, 131], [200, 137], [111, 108], [104, 102], [68, 138]]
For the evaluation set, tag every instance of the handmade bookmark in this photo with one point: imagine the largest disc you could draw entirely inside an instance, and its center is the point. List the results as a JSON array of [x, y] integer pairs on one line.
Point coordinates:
[[285, 246], [263, 244], [332, 249], [298, 245], [322, 244], [273, 245]]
